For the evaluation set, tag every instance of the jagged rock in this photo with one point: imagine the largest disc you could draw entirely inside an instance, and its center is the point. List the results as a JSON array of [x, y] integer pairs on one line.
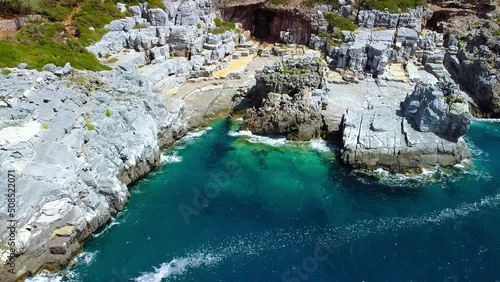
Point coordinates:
[[475, 67], [143, 39], [135, 11], [50, 68], [317, 42], [430, 111], [286, 115], [375, 18], [188, 14], [160, 54], [76, 158], [285, 102], [369, 50], [122, 7], [125, 24], [380, 138], [111, 42], [157, 17]]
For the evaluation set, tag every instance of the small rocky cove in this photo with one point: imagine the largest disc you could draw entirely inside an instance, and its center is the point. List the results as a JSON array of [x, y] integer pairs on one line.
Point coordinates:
[[398, 94]]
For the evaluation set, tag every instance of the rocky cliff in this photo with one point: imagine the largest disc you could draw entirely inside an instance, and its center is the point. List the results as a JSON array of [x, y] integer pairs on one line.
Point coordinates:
[[288, 99], [471, 31], [426, 131], [74, 141], [181, 40]]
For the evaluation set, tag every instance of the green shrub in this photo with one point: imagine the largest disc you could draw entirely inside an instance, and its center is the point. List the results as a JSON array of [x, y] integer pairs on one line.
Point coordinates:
[[199, 26], [333, 38], [496, 33], [34, 44], [222, 27], [312, 3], [151, 3], [96, 14], [57, 10], [88, 123], [45, 126], [108, 112], [90, 126], [6, 71], [339, 22], [392, 6]]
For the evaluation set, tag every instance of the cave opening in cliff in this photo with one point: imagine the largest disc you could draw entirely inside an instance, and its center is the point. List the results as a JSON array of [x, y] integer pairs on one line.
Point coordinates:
[[262, 25], [437, 17], [266, 24]]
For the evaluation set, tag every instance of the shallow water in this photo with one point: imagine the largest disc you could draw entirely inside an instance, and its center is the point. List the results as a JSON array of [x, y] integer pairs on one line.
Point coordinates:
[[282, 211]]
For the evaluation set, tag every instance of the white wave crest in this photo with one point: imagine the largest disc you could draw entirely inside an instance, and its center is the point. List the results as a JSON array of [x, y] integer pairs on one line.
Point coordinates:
[[170, 158], [83, 258], [267, 140], [487, 120], [46, 276], [178, 266], [113, 222], [321, 146], [86, 257], [195, 134]]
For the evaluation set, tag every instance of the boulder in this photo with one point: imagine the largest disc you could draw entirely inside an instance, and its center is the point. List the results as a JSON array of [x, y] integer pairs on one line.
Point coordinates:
[[430, 110], [157, 17], [125, 24]]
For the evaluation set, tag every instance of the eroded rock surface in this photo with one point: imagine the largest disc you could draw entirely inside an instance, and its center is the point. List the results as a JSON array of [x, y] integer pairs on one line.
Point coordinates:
[[288, 99], [74, 141], [424, 133]]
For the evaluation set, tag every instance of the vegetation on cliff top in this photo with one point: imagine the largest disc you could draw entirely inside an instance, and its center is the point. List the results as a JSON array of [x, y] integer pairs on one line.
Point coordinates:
[[336, 23], [222, 26], [339, 22], [62, 35], [392, 6]]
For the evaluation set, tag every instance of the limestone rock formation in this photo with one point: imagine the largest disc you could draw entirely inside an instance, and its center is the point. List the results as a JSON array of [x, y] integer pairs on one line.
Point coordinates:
[[426, 132], [288, 99], [154, 36], [75, 140], [412, 19], [430, 110], [477, 69]]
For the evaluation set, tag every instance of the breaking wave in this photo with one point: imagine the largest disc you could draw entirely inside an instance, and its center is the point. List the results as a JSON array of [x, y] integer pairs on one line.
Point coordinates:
[[267, 140], [85, 258], [172, 157], [178, 266], [192, 135]]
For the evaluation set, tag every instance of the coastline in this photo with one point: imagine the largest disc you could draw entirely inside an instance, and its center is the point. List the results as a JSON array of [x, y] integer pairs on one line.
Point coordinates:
[[74, 142]]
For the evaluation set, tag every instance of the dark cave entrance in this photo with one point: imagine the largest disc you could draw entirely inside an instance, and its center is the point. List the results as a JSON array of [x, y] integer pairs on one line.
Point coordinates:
[[262, 24], [265, 24], [437, 17]]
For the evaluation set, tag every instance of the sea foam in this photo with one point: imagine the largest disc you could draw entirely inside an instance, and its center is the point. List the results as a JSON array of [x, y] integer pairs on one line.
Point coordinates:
[[170, 158], [192, 135], [178, 266], [267, 140]]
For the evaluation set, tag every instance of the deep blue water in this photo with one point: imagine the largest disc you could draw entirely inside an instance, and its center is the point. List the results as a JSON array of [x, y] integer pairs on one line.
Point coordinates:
[[290, 212]]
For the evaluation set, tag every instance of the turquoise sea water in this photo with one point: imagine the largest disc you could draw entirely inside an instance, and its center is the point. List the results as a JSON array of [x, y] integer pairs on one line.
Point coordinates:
[[279, 211]]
